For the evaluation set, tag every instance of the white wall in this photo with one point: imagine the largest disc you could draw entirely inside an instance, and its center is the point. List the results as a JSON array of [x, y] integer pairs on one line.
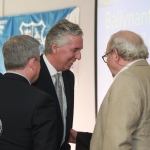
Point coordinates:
[[84, 110]]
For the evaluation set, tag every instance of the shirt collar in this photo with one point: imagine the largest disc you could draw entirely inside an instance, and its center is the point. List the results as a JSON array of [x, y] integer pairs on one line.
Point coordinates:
[[50, 67], [127, 66], [19, 74]]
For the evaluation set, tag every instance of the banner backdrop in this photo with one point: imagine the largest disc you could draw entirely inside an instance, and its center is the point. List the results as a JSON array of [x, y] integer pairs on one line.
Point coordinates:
[[36, 25]]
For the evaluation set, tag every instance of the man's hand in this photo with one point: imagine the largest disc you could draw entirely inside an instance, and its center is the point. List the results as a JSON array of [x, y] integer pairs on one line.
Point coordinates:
[[73, 135]]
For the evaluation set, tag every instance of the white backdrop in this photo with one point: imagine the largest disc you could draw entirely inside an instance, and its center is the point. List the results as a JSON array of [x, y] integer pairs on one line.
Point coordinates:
[[112, 16]]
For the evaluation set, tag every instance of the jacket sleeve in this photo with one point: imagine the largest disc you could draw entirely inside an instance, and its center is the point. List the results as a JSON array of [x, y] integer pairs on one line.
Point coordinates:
[[83, 140]]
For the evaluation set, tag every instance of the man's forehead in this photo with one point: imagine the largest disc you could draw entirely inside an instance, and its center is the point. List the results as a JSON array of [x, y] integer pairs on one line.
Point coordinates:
[[107, 48]]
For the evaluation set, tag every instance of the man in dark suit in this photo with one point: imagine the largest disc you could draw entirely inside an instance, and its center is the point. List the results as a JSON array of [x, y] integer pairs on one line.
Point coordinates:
[[62, 47], [27, 114]]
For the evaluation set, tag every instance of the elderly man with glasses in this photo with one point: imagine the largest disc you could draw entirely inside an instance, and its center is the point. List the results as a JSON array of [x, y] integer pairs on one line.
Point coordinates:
[[123, 121]]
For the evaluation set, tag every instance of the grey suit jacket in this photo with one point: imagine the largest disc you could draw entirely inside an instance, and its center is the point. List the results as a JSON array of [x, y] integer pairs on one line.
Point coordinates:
[[123, 121]]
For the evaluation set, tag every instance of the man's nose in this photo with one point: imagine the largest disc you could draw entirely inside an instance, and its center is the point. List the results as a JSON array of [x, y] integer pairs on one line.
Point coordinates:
[[78, 55]]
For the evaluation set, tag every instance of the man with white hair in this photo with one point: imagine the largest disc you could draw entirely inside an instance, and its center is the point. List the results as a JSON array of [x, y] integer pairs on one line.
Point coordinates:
[[123, 121]]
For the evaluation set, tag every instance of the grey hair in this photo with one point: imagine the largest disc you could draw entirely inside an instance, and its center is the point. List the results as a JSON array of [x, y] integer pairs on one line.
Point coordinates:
[[59, 33], [18, 50], [130, 46]]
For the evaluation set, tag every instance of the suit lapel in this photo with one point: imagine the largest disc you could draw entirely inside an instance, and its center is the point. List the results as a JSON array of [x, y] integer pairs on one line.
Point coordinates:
[[70, 101], [47, 82], [66, 85]]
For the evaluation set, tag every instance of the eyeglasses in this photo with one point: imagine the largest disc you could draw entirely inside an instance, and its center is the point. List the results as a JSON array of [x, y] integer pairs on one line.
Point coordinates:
[[105, 56]]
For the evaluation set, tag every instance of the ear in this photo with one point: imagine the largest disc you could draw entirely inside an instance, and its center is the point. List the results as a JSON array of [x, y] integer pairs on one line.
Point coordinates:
[[31, 64], [115, 55], [54, 48]]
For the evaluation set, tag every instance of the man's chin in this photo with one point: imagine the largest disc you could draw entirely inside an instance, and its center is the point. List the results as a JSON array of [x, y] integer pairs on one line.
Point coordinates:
[[67, 68], [113, 75]]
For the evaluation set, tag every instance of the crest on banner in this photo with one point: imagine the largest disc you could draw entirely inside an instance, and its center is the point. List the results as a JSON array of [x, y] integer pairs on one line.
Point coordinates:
[[35, 30]]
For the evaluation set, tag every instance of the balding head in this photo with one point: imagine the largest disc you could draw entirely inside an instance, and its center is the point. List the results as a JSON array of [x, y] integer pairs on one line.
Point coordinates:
[[124, 47], [130, 46]]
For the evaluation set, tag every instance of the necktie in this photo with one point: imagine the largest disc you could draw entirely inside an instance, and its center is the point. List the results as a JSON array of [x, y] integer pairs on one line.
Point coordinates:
[[58, 88]]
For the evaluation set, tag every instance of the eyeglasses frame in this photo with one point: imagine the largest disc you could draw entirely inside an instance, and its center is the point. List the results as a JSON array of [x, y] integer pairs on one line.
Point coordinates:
[[106, 55]]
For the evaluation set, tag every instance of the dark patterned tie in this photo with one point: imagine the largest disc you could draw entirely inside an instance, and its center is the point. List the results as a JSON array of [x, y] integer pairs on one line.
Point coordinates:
[[58, 88]]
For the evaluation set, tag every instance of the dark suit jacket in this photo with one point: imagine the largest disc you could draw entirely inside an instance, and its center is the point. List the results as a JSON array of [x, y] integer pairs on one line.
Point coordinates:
[[1, 75], [28, 116], [45, 83]]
